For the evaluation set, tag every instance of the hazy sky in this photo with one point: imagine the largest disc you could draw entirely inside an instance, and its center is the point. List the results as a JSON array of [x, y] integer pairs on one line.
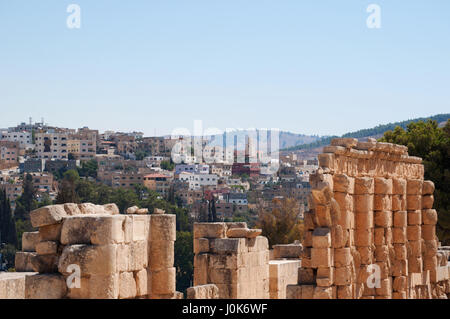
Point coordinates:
[[310, 67]]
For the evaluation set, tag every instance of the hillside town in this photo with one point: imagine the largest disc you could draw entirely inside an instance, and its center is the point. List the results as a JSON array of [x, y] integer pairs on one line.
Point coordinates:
[[130, 159]]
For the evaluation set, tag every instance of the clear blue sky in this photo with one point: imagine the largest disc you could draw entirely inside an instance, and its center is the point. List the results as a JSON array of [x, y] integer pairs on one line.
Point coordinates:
[[309, 67]]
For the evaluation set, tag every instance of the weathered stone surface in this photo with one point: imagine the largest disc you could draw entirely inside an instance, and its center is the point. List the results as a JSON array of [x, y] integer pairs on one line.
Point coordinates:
[[12, 284], [92, 229], [95, 260], [163, 227], [47, 215], [48, 286], [23, 261], [29, 241], [210, 230], [47, 248], [203, 292]]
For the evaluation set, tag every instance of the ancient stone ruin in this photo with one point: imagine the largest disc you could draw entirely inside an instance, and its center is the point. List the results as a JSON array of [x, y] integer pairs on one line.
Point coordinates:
[[114, 256], [232, 257], [370, 234], [372, 218]]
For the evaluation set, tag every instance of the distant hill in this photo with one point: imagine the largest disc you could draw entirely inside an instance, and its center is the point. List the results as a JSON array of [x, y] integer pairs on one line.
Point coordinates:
[[375, 132]]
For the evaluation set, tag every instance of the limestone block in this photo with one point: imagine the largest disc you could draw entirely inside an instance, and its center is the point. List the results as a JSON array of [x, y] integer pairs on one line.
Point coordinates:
[[414, 232], [306, 276], [127, 286], [398, 202], [364, 220], [233, 261], [294, 292], [322, 293], [228, 245], [430, 247], [90, 209], [400, 283], [158, 211], [231, 225], [399, 295], [398, 186], [385, 289], [343, 183], [288, 251], [132, 210], [210, 291], [429, 232], [141, 227], [29, 241], [321, 257], [47, 215], [344, 200], [378, 236], [365, 254], [414, 202], [12, 285], [139, 255], [429, 217], [382, 202], [399, 235], [381, 253], [78, 292], [342, 257], [401, 251], [50, 232], [414, 186], [326, 160], [427, 201], [414, 217], [72, 209], [383, 218], [343, 275], [163, 227], [161, 254], [142, 211], [45, 263], [363, 203], [339, 237], [237, 232], [383, 186], [210, 230], [201, 245], [323, 215], [261, 243], [363, 237], [321, 238], [111, 209], [427, 188], [47, 248], [48, 286], [201, 263], [364, 185], [344, 142], [309, 220], [325, 276], [430, 263], [123, 257], [415, 264], [163, 281], [92, 260], [23, 261], [400, 219], [92, 229], [345, 292], [104, 286]]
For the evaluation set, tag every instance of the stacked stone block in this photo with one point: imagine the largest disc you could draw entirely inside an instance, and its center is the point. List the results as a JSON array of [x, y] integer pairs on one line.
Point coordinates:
[[371, 211], [232, 257], [116, 256]]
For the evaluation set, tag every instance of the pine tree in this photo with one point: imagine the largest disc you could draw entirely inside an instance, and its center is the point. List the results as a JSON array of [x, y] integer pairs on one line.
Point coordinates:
[[7, 225], [213, 210], [27, 201]]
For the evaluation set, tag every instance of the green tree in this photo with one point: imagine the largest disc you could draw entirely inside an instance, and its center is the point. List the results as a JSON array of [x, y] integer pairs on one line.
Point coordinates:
[[432, 144], [7, 226], [67, 192], [184, 257], [281, 224], [88, 168]]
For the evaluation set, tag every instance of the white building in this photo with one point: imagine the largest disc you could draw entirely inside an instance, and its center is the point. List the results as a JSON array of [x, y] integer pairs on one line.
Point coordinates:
[[24, 138], [197, 181]]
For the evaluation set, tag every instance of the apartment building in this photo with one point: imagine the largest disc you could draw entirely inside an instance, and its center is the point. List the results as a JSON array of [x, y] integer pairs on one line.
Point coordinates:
[[9, 152], [42, 182], [23, 138], [52, 144], [198, 181], [157, 182], [192, 168], [126, 179]]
